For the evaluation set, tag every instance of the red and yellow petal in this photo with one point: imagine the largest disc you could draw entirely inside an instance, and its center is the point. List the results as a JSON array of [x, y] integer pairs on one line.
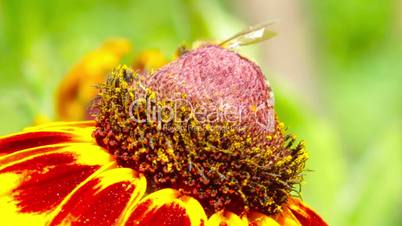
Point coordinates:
[[226, 218], [103, 199], [287, 218], [73, 126], [56, 174], [39, 169], [259, 219], [304, 214], [167, 207], [52, 134], [296, 213]]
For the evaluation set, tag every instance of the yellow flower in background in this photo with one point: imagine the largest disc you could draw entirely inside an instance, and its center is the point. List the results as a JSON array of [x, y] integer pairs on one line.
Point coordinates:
[[78, 87], [149, 60]]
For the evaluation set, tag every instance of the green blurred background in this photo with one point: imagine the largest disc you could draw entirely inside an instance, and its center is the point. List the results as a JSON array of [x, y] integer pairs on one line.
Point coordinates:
[[335, 68]]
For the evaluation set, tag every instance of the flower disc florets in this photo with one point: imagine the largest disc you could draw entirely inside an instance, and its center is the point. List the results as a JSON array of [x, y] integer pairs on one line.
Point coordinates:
[[177, 138]]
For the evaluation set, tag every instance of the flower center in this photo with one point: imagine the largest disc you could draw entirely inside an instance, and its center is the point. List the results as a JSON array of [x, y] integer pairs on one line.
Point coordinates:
[[220, 162]]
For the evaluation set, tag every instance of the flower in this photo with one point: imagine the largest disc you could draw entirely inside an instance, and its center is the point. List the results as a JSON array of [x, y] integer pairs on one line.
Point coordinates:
[[77, 88], [195, 143], [56, 174]]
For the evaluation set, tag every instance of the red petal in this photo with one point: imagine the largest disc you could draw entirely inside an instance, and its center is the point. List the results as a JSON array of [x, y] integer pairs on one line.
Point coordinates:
[[47, 180], [63, 126], [287, 218], [36, 180], [259, 219], [54, 133], [103, 199], [226, 218], [304, 214], [23, 141], [169, 208]]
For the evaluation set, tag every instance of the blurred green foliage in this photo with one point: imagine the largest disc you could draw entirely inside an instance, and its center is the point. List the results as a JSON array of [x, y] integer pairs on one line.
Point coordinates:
[[41, 40], [354, 139]]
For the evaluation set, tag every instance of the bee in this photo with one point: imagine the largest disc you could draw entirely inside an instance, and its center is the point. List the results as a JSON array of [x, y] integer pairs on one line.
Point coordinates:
[[251, 35]]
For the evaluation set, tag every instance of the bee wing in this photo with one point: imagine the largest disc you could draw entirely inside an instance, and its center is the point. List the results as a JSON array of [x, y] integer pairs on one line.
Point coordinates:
[[251, 35]]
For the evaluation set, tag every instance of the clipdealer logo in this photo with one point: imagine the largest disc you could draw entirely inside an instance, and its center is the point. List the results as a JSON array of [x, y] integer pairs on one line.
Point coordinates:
[[263, 114]]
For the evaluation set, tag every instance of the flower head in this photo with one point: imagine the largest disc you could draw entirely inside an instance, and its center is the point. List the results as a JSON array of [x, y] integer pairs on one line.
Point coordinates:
[[234, 164]]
